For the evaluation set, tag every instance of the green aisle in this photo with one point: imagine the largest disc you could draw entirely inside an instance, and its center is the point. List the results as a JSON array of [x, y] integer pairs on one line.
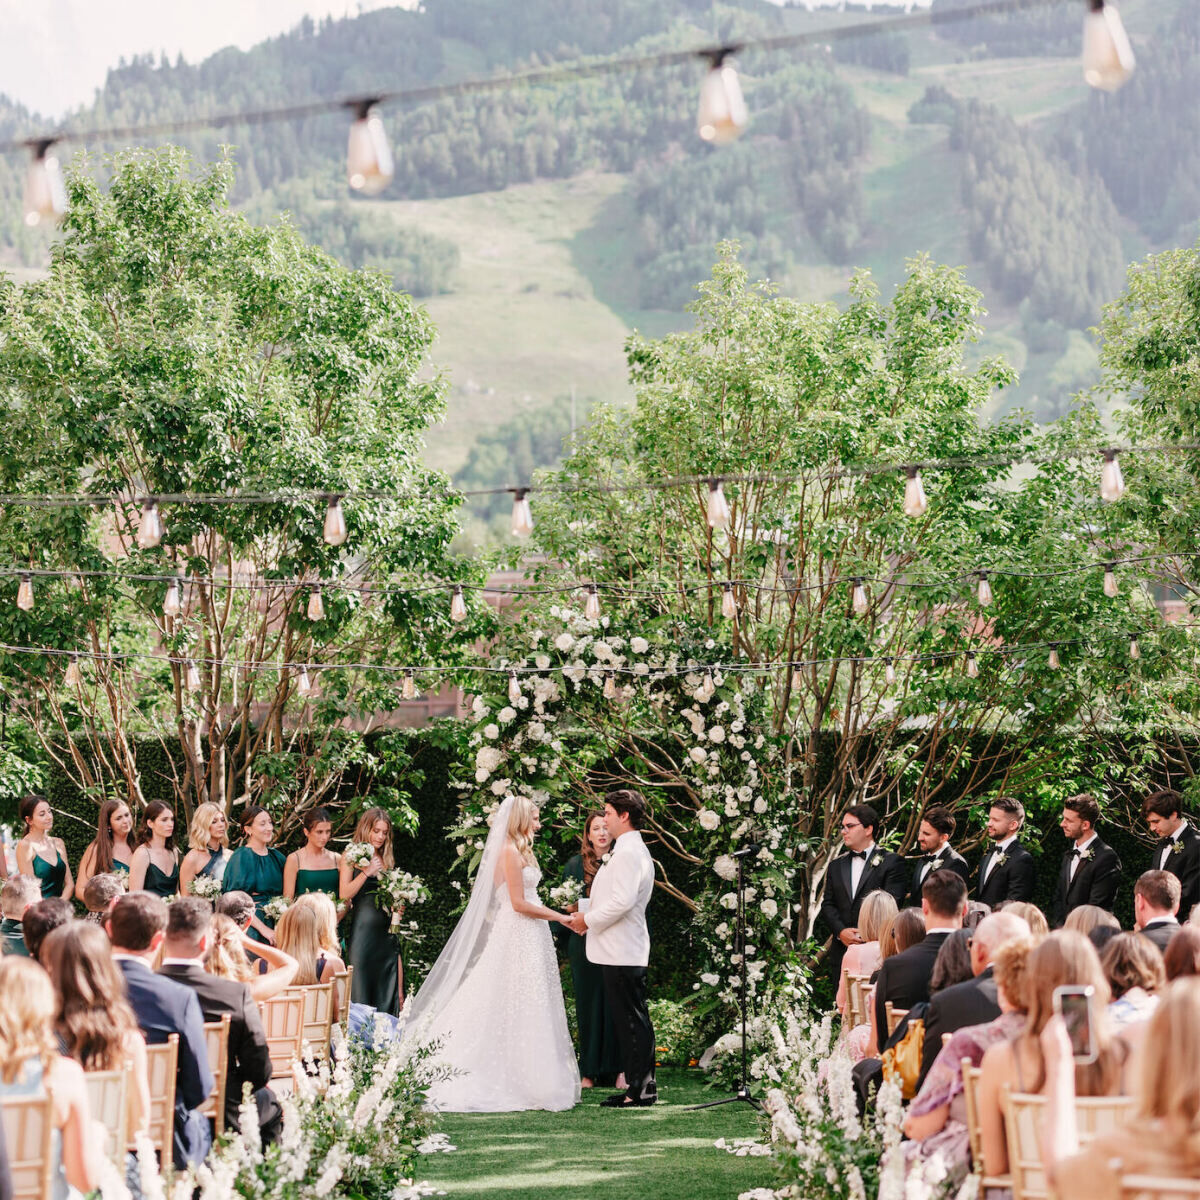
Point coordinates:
[[661, 1153]]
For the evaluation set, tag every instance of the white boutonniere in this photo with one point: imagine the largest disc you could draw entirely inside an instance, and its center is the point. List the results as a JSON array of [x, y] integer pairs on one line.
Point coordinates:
[[877, 860], [1000, 859], [1176, 847], [605, 857], [935, 864], [1084, 855]]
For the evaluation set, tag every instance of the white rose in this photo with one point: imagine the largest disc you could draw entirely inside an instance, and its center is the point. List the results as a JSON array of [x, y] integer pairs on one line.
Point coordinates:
[[641, 669], [542, 662], [499, 787], [639, 645], [491, 731], [481, 776], [708, 819], [506, 714], [478, 707], [710, 979], [729, 901], [564, 642], [488, 758], [697, 754], [769, 908], [726, 868], [760, 805], [716, 734]]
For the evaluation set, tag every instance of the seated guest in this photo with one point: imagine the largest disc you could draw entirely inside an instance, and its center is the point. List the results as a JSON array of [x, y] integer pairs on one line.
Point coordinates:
[[18, 893], [1087, 917], [976, 911], [1062, 959], [136, 927], [30, 1064], [953, 963], [100, 893], [188, 932], [1134, 970], [1162, 1139], [906, 929], [1183, 954], [40, 919], [308, 932], [975, 1001], [1031, 915], [227, 958], [863, 958], [1155, 903]]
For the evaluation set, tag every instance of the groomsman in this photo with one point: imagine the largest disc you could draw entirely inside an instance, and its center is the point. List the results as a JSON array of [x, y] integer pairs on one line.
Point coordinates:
[[1090, 870], [1006, 872], [864, 868], [933, 837], [1178, 849]]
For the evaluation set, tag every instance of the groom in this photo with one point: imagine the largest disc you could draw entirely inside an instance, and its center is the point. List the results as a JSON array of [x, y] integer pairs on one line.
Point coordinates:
[[617, 940]]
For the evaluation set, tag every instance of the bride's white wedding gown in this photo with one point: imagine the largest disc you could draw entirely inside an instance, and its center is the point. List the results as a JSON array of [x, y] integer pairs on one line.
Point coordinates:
[[504, 1030]]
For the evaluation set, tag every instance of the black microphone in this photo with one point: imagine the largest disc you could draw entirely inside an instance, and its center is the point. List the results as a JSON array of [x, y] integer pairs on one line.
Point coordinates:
[[747, 851]]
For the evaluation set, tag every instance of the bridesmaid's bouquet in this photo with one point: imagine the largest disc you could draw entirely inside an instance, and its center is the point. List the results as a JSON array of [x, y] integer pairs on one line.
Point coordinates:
[[276, 907], [397, 889], [205, 886], [359, 854], [569, 892]]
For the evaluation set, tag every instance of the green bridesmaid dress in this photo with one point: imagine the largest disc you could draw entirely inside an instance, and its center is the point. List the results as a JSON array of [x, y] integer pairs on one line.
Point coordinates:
[[51, 876], [374, 953], [259, 874], [159, 883], [324, 880]]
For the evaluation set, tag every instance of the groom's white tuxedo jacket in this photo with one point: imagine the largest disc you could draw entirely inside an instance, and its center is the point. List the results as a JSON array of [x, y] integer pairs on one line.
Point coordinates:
[[616, 920]]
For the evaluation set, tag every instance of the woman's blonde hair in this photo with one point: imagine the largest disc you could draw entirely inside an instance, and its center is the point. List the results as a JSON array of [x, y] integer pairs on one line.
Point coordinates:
[[362, 833], [1087, 917], [226, 955], [878, 908], [27, 1008], [1009, 965], [520, 826], [307, 928], [201, 826], [1031, 915], [1169, 1092]]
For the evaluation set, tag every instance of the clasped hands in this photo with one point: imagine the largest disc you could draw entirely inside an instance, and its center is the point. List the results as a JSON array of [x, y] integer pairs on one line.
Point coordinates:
[[575, 923]]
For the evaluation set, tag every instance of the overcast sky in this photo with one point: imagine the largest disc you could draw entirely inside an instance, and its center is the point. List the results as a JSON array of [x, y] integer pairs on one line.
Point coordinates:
[[55, 53]]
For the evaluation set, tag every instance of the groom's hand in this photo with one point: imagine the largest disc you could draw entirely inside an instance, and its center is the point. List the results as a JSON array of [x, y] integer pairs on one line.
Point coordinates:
[[577, 924]]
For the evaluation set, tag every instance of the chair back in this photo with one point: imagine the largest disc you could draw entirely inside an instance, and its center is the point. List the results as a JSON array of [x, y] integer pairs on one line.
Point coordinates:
[[856, 999], [318, 1016], [108, 1103], [1024, 1117], [216, 1042], [894, 1016], [29, 1134], [343, 982], [283, 1023], [970, 1076], [162, 1069], [1158, 1187]]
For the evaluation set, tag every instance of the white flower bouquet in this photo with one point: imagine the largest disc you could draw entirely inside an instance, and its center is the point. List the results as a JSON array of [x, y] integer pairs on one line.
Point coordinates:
[[569, 892], [359, 854], [205, 886], [398, 889], [275, 908]]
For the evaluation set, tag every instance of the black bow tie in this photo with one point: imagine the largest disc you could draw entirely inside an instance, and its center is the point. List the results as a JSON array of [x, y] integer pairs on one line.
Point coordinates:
[[932, 857], [1076, 853], [858, 854]]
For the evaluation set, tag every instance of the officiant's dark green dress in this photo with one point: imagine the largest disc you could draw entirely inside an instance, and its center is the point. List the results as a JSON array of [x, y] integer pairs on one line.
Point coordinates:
[[599, 1060]]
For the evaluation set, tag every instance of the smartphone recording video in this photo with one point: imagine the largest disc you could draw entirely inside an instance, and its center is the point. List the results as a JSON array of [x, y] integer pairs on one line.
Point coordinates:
[[1076, 1006]]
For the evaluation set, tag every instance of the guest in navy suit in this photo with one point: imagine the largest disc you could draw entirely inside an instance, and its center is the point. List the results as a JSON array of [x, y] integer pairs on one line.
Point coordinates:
[[162, 1006]]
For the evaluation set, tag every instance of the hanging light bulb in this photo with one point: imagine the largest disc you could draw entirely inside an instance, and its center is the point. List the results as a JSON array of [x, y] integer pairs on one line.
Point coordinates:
[[1052, 659], [192, 676], [723, 115], [610, 686], [889, 672], [1108, 59], [591, 607], [316, 604], [408, 686], [45, 194], [984, 593], [972, 665], [1135, 651], [859, 600], [522, 515], [25, 593], [458, 604], [335, 522], [797, 678], [150, 527], [728, 604], [369, 162], [718, 506], [73, 678], [915, 500], [303, 683], [173, 600], [514, 687], [1112, 482], [1111, 590]]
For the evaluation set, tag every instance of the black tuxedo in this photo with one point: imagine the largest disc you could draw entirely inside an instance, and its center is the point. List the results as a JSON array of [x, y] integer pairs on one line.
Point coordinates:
[[1161, 934], [162, 1007], [904, 978], [249, 1055], [1012, 879], [947, 859], [972, 1002], [1095, 881], [1184, 864], [840, 904]]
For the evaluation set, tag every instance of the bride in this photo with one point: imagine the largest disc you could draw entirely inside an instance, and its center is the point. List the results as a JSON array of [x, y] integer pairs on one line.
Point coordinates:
[[493, 998]]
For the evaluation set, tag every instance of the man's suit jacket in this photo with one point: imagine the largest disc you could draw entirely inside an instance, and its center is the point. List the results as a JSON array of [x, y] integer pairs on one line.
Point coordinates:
[[617, 934], [249, 1055], [1184, 864], [1095, 881], [1161, 934], [840, 904], [948, 859], [162, 1007], [972, 1002], [904, 978], [1012, 879]]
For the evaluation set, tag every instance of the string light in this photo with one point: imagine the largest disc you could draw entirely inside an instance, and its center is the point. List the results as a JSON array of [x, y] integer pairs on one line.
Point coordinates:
[[73, 678], [522, 514], [1135, 651], [1111, 588], [45, 196], [369, 162], [1112, 482], [797, 677], [458, 604], [1052, 660], [303, 683], [25, 594], [859, 600], [728, 603], [915, 501], [408, 686], [173, 600], [316, 605], [610, 686], [889, 672], [514, 687], [723, 115], [1108, 59], [707, 689], [150, 527], [192, 676], [335, 522], [718, 506], [591, 606], [984, 591], [972, 665]]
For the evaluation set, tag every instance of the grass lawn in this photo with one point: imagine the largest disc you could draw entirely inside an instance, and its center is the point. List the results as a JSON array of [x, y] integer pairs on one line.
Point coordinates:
[[664, 1152]]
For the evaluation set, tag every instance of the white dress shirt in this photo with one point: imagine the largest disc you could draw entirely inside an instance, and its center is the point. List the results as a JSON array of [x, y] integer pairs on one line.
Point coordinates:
[[1077, 857], [616, 918], [942, 850], [997, 849], [858, 866], [1164, 854]]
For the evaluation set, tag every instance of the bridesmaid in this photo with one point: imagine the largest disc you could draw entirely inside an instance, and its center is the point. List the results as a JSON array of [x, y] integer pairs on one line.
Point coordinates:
[[155, 865], [257, 868], [313, 868], [112, 851], [40, 855], [209, 846], [599, 1059], [372, 949]]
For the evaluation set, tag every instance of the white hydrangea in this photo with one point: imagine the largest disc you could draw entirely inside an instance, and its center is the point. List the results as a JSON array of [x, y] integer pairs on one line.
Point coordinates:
[[478, 708], [708, 819], [710, 979], [542, 662], [487, 759]]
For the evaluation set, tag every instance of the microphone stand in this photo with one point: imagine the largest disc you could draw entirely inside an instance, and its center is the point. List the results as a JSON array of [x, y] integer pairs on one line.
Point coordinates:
[[742, 1095]]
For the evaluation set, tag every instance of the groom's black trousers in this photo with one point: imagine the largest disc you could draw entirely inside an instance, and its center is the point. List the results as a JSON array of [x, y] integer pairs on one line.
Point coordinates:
[[625, 991]]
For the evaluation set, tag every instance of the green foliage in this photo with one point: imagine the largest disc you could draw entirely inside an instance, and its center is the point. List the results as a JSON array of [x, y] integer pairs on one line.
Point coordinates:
[[674, 1031], [883, 51], [1053, 32], [937, 106]]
